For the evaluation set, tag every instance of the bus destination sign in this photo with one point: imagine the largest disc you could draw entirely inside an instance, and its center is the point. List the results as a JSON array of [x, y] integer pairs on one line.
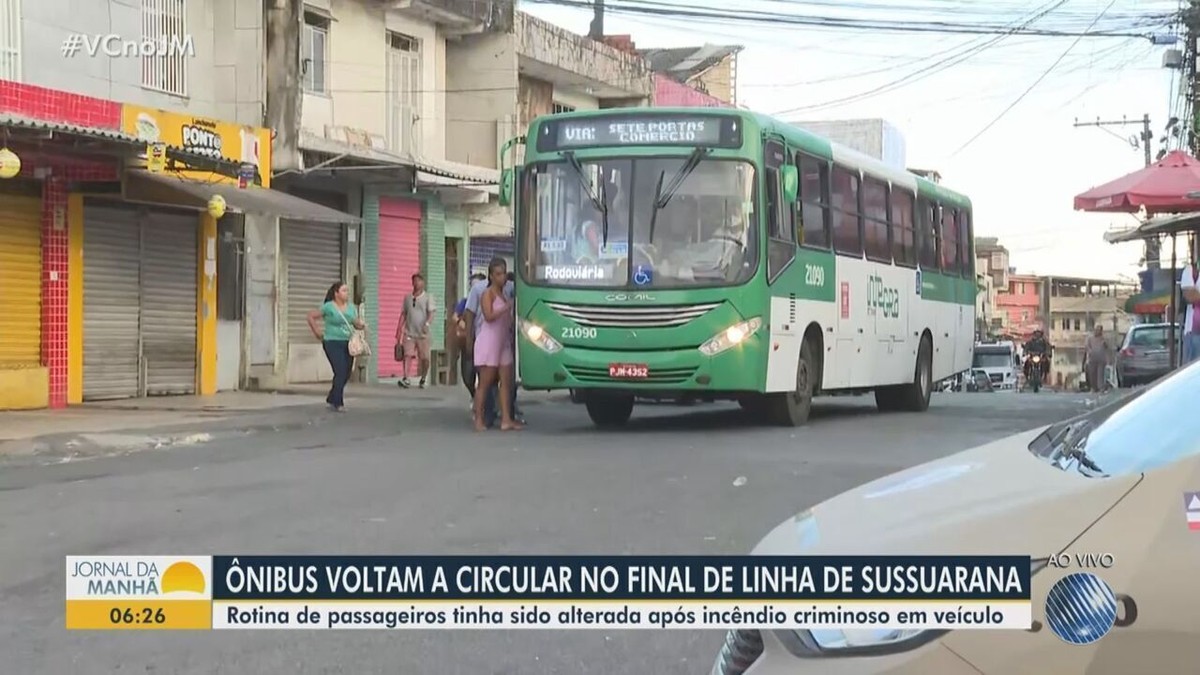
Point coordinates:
[[643, 130]]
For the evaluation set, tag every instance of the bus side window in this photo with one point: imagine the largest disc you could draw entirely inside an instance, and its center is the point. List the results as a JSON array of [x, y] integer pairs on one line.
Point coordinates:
[[949, 240], [966, 241], [847, 238], [814, 201], [781, 247], [904, 248], [875, 220], [927, 232]]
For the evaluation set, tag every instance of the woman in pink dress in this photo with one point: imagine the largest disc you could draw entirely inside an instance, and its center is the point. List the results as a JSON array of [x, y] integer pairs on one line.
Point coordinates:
[[494, 349]]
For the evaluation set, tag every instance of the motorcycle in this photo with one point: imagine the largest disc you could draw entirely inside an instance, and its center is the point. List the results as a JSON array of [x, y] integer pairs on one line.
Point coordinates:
[[1034, 367]]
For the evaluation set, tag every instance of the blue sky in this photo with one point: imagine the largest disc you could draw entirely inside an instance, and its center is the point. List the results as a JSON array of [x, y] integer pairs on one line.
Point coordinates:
[[1024, 171]]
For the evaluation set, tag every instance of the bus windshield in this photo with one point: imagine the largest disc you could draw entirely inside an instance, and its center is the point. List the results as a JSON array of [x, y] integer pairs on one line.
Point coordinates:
[[703, 235], [993, 358]]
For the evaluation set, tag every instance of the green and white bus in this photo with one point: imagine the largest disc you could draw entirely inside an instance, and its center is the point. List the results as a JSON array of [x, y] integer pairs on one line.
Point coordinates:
[[723, 254]]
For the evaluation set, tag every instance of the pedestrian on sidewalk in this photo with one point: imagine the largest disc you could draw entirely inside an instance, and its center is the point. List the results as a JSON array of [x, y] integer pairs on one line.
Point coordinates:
[[1189, 285], [412, 330], [474, 316], [1095, 360], [339, 318], [463, 321], [493, 352]]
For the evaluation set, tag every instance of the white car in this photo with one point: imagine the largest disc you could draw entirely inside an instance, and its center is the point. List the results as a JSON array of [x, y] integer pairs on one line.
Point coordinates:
[[1122, 480]]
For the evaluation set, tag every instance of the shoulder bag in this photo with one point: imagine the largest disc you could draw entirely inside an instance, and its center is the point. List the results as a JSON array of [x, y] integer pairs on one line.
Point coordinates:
[[358, 339]]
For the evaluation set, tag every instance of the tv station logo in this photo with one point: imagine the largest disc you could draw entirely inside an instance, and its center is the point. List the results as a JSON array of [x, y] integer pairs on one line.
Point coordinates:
[[112, 592], [1081, 607]]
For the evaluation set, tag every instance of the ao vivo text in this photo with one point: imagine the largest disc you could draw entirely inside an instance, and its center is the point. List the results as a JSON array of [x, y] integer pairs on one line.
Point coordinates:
[[1085, 561]]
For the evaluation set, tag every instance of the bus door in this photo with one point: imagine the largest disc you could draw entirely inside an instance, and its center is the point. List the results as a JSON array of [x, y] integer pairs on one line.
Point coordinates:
[[781, 254]]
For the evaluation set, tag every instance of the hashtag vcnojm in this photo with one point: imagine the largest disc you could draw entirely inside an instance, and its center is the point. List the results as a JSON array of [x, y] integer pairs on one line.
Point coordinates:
[[114, 46]]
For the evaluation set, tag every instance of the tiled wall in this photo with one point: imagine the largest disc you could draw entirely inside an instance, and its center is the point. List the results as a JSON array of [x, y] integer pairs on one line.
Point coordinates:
[[54, 287], [58, 106]]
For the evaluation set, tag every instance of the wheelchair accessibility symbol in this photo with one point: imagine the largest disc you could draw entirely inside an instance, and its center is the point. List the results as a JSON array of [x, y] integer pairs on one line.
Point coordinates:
[[643, 276]]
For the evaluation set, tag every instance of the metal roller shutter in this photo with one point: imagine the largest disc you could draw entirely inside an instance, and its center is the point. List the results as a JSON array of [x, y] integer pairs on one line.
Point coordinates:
[[111, 245], [20, 281], [314, 261], [169, 252]]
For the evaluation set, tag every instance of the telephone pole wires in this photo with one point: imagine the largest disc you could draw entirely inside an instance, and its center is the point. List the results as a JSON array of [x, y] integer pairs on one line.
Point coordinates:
[[1153, 247]]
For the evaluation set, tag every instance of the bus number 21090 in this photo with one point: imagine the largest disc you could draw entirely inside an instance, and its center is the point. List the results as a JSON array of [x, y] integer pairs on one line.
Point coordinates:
[[578, 333], [814, 275]]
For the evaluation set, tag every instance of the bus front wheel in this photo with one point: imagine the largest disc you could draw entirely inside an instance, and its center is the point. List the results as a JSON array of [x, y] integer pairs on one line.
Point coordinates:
[[791, 409], [609, 411]]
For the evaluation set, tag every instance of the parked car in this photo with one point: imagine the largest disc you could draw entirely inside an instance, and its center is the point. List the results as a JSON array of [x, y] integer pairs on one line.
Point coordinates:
[[1145, 354], [1122, 480]]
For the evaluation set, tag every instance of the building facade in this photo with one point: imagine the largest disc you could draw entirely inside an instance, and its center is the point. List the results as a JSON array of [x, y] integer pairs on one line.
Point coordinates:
[[506, 80], [710, 69], [138, 167], [1075, 307], [992, 266], [1019, 306], [369, 90]]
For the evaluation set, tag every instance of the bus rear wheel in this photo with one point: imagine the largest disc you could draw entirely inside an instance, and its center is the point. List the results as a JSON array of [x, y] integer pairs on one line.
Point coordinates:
[[609, 410], [912, 397], [791, 408]]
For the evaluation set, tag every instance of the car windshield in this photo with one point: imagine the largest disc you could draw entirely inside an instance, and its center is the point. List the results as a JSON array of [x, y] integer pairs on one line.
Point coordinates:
[[1142, 432], [596, 223], [993, 358]]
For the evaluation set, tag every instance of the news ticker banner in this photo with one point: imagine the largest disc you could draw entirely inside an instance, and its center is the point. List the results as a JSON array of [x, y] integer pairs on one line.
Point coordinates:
[[546, 592]]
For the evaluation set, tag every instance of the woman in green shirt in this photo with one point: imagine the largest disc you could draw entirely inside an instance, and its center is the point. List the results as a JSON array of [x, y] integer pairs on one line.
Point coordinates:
[[339, 318]]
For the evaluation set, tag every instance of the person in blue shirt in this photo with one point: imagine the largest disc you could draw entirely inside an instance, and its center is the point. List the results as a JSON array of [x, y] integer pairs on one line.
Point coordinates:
[[474, 320], [465, 362], [339, 317]]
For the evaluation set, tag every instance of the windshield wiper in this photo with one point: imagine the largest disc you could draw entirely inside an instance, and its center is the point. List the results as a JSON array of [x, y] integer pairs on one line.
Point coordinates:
[[663, 197], [1074, 438], [597, 200]]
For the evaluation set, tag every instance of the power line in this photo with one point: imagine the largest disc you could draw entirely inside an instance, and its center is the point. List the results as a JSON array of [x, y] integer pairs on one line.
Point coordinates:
[[939, 66], [743, 15], [1036, 82]]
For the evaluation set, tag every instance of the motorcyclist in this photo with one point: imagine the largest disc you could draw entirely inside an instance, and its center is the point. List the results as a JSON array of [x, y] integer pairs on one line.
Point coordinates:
[[1038, 345]]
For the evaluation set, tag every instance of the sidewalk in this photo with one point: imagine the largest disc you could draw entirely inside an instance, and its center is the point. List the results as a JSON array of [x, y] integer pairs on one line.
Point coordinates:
[[112, 427]]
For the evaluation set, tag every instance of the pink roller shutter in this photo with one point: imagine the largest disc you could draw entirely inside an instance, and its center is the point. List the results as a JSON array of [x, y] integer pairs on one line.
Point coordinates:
[[399, 259]]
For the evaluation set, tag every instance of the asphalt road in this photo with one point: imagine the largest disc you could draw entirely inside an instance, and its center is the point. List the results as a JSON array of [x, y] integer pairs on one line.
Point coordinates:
[[422, 482]]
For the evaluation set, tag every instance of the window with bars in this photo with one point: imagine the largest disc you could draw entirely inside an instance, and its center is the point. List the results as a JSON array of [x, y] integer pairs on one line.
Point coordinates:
[[404, 92], [10, 40], [164, 23], [314, 53], [561, 108]]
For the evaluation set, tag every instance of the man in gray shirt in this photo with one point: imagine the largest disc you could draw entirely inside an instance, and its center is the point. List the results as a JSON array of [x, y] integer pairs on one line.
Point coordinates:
[[1095, 359], [412, 331]]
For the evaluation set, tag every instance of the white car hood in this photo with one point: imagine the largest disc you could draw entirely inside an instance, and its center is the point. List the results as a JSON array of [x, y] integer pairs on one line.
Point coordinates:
[[997, 499]]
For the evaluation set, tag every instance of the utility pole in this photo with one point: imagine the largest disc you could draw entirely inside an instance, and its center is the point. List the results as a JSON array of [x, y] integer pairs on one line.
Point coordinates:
[[1153, 248], [596, 32]]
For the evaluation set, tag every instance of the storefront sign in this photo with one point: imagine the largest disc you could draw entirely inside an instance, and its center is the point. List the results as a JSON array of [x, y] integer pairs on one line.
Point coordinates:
[[201, 136], [156, 157]]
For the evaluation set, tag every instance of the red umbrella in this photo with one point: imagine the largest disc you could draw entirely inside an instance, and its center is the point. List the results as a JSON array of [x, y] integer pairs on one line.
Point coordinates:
[[1162, 187]]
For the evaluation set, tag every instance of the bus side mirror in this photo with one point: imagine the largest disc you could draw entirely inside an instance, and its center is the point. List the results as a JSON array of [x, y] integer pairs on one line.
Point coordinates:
[[507, 180], [790, 177]]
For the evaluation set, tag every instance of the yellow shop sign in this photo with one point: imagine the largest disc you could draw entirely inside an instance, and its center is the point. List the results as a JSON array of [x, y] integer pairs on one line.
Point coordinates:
[[201, 136]]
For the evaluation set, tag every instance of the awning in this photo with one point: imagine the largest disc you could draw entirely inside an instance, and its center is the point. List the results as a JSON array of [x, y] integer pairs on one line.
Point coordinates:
[[117, 139], [1156, 227], [428, 172], [150, 187]]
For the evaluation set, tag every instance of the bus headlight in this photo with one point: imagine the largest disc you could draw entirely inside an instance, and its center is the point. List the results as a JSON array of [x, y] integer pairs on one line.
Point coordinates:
[[538, 336], [731, 337]]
